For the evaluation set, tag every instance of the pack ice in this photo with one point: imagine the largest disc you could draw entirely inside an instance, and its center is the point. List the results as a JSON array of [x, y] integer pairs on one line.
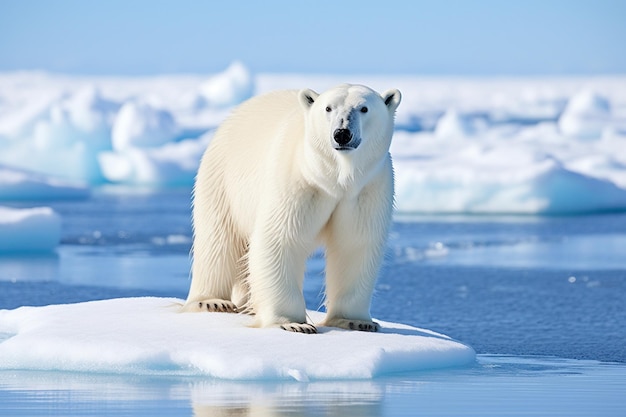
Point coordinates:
[[529, 146]]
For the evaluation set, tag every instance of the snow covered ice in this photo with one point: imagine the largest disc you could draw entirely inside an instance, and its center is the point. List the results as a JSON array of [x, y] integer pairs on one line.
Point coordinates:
[[234, 85], [149, 336], [461, 145], [35, 229], [29, 230]]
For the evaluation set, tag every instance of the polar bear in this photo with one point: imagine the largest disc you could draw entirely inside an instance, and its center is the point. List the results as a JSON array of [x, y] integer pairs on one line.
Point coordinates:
[[286, 172]]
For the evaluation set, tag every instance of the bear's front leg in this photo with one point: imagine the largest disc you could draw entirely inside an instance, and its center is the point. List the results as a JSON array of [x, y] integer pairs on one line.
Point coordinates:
[[276, 274], [355, 246], [299, 328], [277, 256], [286, 232]]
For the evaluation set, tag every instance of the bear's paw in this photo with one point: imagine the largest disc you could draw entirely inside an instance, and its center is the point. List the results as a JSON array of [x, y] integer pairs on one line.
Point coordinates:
[[216, 305], [299, 328], [348, 324]]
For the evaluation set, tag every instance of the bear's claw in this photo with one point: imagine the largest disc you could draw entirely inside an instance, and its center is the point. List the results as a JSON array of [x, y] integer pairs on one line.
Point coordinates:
[[367, 327], [216, 305], [299, 328], [361, 325]]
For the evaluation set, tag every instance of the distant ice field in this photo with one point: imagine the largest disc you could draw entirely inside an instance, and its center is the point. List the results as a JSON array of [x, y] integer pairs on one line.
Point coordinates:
[[462, 145]]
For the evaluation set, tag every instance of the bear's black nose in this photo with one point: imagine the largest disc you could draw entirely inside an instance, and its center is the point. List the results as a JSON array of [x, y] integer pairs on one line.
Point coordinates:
[[342, 136]]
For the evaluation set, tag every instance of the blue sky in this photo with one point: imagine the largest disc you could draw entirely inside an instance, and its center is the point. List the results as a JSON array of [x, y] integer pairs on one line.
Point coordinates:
[[446, 37]]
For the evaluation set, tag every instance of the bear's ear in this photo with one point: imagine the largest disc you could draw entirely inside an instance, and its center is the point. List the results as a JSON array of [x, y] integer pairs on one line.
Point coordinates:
[[392, 99], [307, 97]]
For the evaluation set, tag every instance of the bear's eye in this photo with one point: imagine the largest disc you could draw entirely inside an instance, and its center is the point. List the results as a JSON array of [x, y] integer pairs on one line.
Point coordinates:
[[363, 109], [328, 109]]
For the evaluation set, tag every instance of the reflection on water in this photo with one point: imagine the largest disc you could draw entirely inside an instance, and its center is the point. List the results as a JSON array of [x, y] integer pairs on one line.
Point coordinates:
[[355, 398], [496, 385], [31, 393]]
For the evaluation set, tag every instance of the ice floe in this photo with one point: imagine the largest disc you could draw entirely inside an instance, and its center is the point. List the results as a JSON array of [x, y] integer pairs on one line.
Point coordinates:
[[150, 336], [29, 230]]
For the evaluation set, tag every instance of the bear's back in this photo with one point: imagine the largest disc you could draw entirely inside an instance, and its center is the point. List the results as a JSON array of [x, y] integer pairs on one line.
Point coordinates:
[[263, 115], [240, 153]]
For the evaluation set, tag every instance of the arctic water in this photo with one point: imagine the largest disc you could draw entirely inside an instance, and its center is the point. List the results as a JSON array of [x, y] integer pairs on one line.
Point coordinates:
[[542, 300]]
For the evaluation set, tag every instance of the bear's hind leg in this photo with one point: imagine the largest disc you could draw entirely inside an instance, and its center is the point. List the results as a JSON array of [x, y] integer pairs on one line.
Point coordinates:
[[217, 266], [216, 284]]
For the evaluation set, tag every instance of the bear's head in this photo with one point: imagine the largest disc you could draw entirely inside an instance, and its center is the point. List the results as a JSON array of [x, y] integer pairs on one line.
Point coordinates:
[[350, 119]]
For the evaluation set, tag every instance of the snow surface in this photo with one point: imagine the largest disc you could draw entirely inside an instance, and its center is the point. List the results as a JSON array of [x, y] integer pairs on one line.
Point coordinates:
[[149, 336], [29, 230], [554, 145]]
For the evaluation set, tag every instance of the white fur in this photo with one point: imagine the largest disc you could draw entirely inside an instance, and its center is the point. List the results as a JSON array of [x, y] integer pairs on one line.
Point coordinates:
[[271, 187]]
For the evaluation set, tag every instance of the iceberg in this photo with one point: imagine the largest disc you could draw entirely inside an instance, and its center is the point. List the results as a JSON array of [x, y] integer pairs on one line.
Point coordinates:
[[228, 88], [586, 115], [65, 137], [172, 164], [97, 130], [29, 230], [496, 180], [453, 125], [140, 125], [148, 336], [32, 229]]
